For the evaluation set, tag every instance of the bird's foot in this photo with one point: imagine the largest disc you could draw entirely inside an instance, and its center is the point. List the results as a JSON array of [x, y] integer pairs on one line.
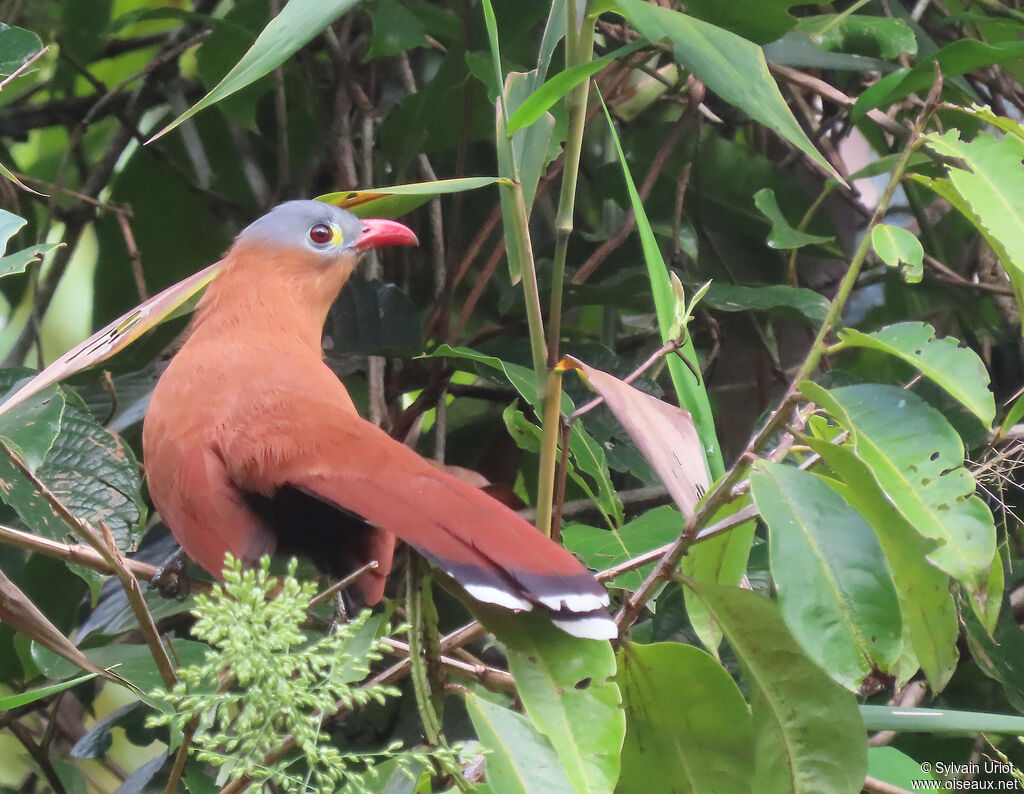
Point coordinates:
[[169, 579]]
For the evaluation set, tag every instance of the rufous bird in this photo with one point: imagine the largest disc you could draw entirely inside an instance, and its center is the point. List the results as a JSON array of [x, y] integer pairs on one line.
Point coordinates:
[[252, 444]]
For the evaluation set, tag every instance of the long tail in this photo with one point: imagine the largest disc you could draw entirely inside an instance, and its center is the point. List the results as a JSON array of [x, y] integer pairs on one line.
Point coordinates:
[[491, 551]]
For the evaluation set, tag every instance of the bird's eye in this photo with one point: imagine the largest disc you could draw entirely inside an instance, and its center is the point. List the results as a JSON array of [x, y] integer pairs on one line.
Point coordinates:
[[320, 234]]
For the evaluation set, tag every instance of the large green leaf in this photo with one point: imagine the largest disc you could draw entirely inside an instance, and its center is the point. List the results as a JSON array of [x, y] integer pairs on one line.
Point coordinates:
[[727, 64], [520, 760], [294, 26], [603, 548], [917, 459], [90, 470], [566, 686], [926, 605], [686, 722], [956, 369], [992, 185], [809, 734], [834, 590]]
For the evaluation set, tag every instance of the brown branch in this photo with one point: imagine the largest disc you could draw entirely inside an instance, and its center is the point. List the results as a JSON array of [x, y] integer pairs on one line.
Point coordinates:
[[595, 260]]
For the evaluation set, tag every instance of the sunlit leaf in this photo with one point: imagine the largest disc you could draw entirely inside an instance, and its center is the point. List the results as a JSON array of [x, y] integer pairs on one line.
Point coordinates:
[[727, 64], [958, 370], [32, 695], [900, 250], [297, 23]]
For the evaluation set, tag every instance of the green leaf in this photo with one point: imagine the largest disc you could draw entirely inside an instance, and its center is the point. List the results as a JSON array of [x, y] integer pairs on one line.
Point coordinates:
[[297, 23], [798, 303], [686, 722], [864, 35], [395, 201], [603, 548], [688, 384], [926, 605], [809, 734], [834, 590], [31, 428], [732, 67], [783, 236], [956, 369], [960, 57], [521, 761], [720, 560], [892, 766], [17, 45], [566, 686], [899, 249], [91, 471], [1000, 655], [992, 185], [534, 106], [917, 459], [32, 695], [758, 20], [395, 30], [922, 720]]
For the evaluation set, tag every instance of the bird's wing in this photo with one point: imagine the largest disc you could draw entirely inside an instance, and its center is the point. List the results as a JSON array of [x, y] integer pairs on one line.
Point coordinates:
[[491, 551]]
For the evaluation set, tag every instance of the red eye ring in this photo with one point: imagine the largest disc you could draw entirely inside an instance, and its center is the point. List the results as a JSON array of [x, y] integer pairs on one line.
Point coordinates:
[[321, 234]]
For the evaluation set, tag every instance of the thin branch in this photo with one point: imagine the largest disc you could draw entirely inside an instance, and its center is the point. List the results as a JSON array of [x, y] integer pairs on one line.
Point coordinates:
[[24, 67]]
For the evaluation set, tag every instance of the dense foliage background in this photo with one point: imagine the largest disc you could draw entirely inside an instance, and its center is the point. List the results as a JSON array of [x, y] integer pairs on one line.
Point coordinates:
[[847, 176]]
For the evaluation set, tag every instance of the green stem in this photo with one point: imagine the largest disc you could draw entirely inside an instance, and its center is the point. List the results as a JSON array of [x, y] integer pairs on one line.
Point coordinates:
[[424, 646], [531, 292], [579, 50], [805, 221], [551, 422]]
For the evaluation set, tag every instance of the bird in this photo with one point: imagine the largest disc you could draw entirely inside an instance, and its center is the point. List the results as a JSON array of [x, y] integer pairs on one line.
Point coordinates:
[[252, 445]]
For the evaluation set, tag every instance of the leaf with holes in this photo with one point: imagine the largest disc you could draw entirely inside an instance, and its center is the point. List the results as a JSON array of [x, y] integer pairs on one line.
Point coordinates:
[[567, 688], [899, 249], [926, 605], [834, 590], [916, 458], [686, 721], [958, 370]]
